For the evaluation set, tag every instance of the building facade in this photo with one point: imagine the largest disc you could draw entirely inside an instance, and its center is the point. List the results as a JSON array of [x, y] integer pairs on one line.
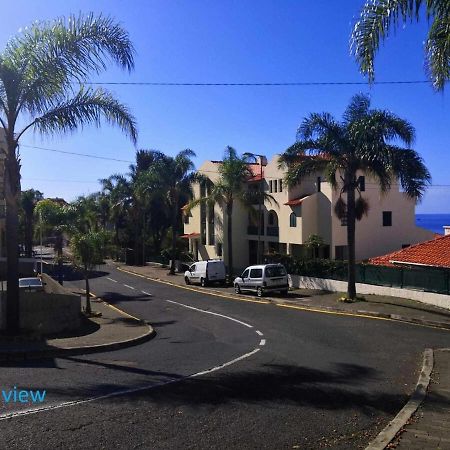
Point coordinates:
[[297, 213]]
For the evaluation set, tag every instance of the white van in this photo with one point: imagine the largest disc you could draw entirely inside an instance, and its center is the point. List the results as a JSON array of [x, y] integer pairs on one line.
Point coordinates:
[[205, 272], [262, 279]]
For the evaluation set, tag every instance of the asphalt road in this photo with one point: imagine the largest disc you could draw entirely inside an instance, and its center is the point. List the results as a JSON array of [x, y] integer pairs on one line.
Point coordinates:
[[240, 375]]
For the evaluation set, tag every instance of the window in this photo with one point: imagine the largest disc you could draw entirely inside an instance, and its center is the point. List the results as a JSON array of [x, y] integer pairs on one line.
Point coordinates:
[[186, 219], [341, 252], [275, 185], [319, 182], [292, 220], [275, 271], [256, 273], [387, 218], [192, 268], [219, 249], [245, 274], [280, 183], [362, 183], [271, 220], [270, 186]]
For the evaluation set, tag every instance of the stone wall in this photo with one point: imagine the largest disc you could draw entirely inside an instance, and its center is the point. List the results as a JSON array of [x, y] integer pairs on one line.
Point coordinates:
[[48, 312]]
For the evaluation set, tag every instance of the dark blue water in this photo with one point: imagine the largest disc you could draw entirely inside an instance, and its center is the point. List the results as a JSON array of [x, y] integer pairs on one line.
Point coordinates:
[[433, 222]]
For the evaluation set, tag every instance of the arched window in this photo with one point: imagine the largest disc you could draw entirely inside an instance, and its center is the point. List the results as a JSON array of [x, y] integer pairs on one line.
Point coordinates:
[[272, 220], [292, 220]]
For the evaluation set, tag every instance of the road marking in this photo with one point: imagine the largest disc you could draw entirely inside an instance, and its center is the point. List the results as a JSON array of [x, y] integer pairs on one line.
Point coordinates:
[[262, 342], [214, 294], [212, 313], [147, 293], [259, 332], [130, 287], [110, 279]]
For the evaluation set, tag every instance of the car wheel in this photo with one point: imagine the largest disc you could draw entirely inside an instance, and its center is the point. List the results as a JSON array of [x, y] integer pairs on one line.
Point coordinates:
[[237, 289], [203, 282], [187, 280], [259, 291]]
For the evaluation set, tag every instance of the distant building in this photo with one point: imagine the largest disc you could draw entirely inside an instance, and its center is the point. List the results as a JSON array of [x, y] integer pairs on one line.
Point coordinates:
[[432, 253], [60, 201], [303, 210]]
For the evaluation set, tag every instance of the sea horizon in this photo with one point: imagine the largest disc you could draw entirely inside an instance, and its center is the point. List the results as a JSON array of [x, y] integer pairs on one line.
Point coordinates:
[[433, 222]]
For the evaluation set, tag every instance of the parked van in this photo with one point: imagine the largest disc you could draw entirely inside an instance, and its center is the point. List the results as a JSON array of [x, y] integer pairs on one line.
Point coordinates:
[[262, 279], [205, 272]]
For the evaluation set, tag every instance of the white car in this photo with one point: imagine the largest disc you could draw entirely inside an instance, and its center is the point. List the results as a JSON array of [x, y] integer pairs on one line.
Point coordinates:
[[262, 279], [205, 272], [31, 284]]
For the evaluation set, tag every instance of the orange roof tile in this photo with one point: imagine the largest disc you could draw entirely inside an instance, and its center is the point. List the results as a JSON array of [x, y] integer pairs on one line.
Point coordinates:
[[434, 253], [296, 201], [190, 235]]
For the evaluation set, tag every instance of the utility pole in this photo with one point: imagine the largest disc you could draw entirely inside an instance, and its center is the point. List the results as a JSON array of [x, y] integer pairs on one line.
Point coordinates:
[[40, 234]]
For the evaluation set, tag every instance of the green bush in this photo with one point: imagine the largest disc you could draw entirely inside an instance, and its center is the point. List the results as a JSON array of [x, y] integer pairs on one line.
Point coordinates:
[[321, 268]]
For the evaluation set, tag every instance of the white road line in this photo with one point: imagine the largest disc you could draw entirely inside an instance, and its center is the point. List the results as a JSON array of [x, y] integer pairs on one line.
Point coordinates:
[[210, 312], [27, 412], [259, 332], [110, 279], [147, 293], [129, 287]]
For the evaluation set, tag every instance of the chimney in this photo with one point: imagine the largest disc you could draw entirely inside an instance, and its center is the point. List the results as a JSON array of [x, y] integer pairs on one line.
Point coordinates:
[[446, 230]]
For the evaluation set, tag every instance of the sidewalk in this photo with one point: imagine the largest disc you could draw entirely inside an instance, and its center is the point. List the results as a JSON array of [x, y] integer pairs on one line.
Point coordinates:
[[373, 305], [429, 428], [113, 330]]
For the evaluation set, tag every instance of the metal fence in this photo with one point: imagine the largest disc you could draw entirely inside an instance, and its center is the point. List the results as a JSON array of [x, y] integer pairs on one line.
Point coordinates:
[[425, 279]]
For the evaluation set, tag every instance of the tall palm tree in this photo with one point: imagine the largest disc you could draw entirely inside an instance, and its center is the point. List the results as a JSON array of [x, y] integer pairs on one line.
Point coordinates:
[[28, 201], [364, 141], [172, 177], [42, 72], [230, 188], [379, 17]]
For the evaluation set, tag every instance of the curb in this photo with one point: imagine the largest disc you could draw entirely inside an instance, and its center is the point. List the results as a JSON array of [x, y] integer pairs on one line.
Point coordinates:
[[357, 313], [88, 349], [417, 397]]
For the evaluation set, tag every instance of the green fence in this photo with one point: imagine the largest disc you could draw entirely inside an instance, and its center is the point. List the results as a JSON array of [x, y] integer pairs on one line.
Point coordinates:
[[425, 279]]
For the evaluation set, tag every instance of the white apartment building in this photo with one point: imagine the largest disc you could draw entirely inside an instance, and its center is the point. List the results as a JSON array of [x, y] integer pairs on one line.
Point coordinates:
[[304, 210]]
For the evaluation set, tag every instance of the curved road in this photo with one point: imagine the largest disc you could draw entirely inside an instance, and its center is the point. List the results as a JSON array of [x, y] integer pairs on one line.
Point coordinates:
[[220, 373]]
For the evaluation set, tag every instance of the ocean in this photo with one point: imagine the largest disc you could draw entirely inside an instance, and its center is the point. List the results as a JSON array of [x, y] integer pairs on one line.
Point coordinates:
[[433, 222]]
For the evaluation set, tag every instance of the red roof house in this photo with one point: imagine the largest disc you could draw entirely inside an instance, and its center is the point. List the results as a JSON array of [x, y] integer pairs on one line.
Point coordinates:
[[432, 253]]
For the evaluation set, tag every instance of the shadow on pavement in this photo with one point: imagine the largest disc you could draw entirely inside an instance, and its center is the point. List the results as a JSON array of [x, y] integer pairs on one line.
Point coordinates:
[[115, 297]]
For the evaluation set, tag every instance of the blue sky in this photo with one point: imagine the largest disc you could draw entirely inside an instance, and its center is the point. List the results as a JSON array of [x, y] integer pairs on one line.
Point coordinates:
[[233, 41]]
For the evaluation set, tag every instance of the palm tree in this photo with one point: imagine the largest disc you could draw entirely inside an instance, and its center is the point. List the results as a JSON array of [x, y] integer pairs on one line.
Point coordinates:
[[364, 141], [234, 171], [172, 178], [377, 19], [39, 73], [28, 200]]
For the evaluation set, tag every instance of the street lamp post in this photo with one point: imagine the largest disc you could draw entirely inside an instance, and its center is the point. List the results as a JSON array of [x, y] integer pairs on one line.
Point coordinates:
[[262, 159]]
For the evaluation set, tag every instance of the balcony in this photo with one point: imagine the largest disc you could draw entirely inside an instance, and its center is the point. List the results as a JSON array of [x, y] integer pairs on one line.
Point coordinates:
[[273, 231]]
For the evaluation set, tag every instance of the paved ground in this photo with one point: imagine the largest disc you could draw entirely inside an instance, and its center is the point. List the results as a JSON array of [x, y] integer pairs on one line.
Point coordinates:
[[220, 373]]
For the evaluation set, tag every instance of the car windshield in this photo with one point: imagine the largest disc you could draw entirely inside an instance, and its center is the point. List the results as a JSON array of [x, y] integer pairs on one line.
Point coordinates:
[[30, 282], [275, 271]]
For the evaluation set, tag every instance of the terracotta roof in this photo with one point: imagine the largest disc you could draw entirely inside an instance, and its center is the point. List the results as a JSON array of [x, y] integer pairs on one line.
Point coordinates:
[[190, 235], [435, 253], [296, 201]]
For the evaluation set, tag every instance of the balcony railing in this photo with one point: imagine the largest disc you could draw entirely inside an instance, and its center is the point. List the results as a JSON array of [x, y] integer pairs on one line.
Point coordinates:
[[253, 229], [273, 231]]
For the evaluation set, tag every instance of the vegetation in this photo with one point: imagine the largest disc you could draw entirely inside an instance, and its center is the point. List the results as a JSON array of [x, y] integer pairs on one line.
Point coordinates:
[[363, 143], [42, 72], [379, 17], [28, 201], [88, 250]]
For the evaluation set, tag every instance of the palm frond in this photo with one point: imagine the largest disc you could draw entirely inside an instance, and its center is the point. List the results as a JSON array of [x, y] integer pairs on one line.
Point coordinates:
[[87, 107], [361, 208], [375, 22], [304, 168], [358, 107]]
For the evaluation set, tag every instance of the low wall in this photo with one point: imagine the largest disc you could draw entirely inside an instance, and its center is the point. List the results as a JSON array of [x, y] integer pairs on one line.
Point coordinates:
[[443, 301], [44, 312]]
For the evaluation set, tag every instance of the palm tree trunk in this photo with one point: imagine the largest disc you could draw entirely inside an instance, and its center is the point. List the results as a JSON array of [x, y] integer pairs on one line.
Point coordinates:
[[230, 239], [88, 293], [174, 241], [351, 227], [12, 193]]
